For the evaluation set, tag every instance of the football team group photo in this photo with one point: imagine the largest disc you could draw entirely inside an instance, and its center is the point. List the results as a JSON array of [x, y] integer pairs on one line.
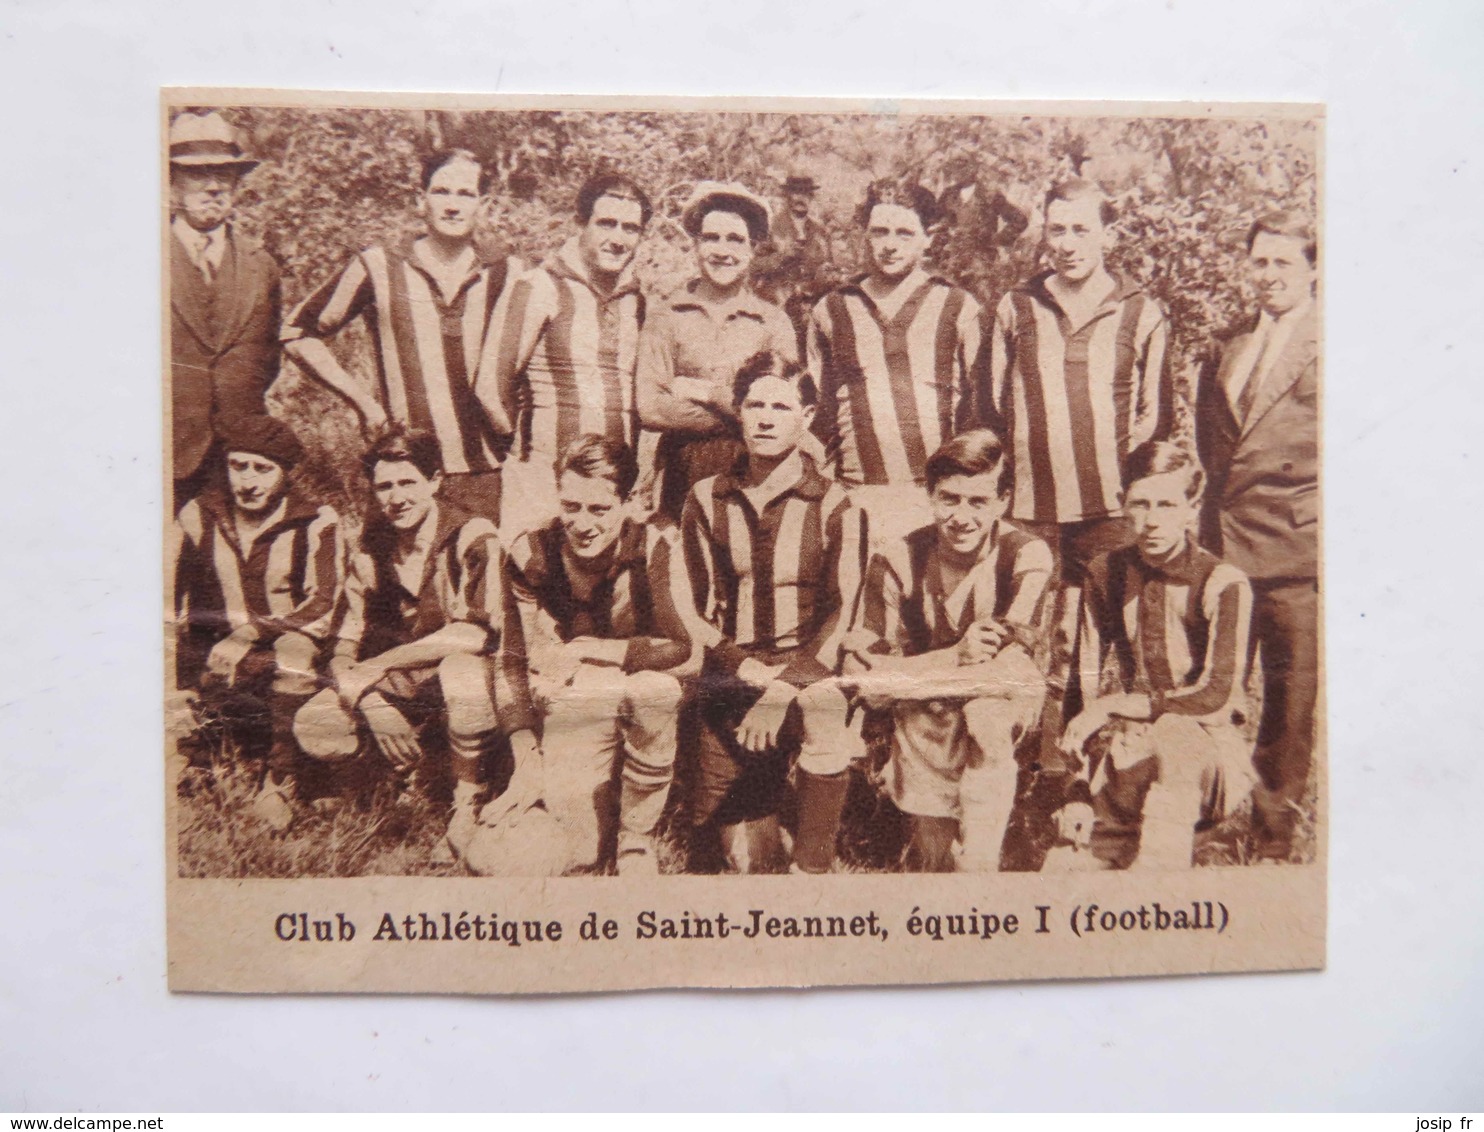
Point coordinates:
[[572, 492]]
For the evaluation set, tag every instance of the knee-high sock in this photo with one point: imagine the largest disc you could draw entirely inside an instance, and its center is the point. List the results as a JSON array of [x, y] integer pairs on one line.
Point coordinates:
[[821, 800]]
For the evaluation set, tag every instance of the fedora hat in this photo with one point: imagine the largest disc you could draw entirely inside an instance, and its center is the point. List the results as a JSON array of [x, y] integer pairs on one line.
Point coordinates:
[[800, 183], [732, 197], [199, 141]]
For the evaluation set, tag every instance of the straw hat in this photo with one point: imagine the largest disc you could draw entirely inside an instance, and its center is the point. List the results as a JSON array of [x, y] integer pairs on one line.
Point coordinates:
[[732, 197], [206, 141]]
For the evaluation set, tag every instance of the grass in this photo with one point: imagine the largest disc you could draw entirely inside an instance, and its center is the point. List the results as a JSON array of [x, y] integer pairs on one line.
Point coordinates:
[[360, 824]]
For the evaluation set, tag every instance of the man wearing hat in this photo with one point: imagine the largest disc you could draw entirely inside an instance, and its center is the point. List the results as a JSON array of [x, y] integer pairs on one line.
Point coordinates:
[[694, 343], [793, 268], [258, 576], [224, 298]]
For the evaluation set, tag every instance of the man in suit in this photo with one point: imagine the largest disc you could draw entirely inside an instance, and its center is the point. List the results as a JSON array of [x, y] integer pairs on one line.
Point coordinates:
[[1257, 428], [224, 299]]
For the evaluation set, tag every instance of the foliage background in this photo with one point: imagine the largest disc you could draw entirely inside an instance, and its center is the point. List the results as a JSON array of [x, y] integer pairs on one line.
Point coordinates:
[[336, 180]]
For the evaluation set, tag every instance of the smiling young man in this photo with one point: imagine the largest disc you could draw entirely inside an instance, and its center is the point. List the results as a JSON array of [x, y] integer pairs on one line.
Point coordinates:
[[258, 576], [428, 304], [596, 596], [422, 618], [559, 363], [1257, 428], [224, 300], [774, 553], [892, 353], [694, 343], [1076, 380], [946, 635], [1177, 620]]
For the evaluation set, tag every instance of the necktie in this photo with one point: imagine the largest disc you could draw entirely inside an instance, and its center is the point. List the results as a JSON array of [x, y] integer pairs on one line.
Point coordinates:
[[204, 258]]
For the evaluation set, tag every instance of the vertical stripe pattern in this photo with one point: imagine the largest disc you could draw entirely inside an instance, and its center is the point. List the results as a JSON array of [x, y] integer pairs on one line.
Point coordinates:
[[1075, 400], [892, 389], [427, 351]]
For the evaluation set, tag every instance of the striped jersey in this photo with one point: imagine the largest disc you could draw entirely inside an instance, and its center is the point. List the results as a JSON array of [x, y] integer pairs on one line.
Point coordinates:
[[1074, 401], [427, 350], [1178, 632], [460, 582], [785, 578], [892, 389], [559, 360], [634, 594], [289, 580], [909, 607]]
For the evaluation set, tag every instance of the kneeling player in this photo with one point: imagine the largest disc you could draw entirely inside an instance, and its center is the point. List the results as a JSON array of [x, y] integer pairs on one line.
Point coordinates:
[[1177, 619], [596, 593], [947, 636], [774, 552], [423, 608], [257, 580]]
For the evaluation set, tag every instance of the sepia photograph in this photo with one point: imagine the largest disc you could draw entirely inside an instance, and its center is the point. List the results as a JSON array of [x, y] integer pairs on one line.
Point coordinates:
[[626, 490]]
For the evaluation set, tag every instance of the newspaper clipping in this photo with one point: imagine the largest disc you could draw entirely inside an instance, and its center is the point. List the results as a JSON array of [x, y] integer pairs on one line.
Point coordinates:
[[623, 543]]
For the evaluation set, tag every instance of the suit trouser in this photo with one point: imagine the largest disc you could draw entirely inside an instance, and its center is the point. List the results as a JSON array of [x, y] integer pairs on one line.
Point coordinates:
[[1285, 623], [602, 716]]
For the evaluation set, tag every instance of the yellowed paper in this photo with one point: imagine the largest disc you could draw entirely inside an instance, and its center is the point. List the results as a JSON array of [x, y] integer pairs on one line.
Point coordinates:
[[623, 543]]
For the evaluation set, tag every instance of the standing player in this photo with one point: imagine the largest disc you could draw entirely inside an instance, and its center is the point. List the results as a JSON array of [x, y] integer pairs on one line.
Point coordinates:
[[948, 627], [1176, 619], [559, 363], [596, 592], [258, 575], [428, 304], [1076, 381], [774, 552], [693, 345], [892, 354], [1257, 427], [423, 613]]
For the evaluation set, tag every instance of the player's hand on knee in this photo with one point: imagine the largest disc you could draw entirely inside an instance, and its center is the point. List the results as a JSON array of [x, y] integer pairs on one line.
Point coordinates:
[[1081, 728], [758, 731], [395, 737]]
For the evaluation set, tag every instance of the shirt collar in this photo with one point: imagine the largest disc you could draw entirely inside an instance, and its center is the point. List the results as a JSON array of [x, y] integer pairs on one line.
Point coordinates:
[[402, 248], [1123, 288], [1183, 568], [805, 482], [567, 264], [193, 239], [744, 303]]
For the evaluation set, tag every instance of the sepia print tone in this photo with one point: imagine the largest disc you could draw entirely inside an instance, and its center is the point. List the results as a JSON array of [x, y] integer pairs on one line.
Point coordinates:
[[617, 544]]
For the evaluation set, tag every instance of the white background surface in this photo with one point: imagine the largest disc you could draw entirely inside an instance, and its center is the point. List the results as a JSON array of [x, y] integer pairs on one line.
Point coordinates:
[[1398, 1019]]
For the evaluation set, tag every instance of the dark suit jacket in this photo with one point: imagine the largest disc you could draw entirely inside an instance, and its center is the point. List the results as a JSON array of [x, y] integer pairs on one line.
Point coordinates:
[[1262, 494], [223, 343]]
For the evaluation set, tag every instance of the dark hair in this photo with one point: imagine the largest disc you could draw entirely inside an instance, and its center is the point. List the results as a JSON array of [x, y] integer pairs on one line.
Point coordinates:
[[595, 457], [1289, 224], [436, 161], [1160, 457], [766, 363], [1078, 190], [751, 215], [611, 185], [399, 445], [971, 453], [904, 194]]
